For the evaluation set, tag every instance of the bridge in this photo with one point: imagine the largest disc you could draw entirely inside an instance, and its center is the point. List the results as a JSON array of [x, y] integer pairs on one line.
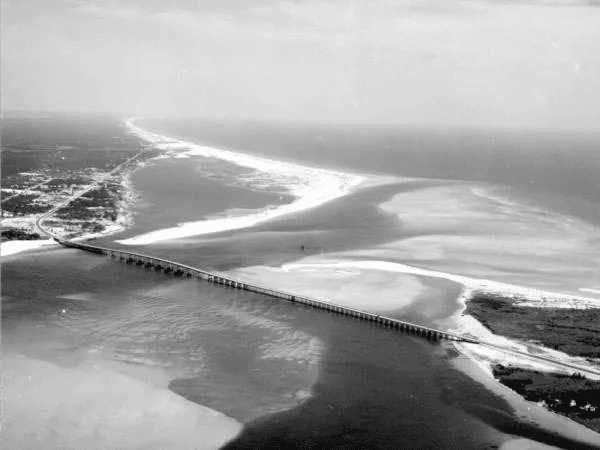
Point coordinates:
[[178, 269]]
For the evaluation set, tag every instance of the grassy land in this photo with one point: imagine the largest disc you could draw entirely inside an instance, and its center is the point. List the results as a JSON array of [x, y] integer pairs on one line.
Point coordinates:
[[54, 156], [572, 331], [95, 204], [570, 395], [19, 235], [25, 204]]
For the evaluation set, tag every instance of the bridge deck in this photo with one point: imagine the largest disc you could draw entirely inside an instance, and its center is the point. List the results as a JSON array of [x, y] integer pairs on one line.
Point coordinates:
[[430, 333]]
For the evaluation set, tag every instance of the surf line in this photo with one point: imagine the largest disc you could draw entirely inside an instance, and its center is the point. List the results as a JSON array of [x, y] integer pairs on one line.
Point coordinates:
[[310, 186]]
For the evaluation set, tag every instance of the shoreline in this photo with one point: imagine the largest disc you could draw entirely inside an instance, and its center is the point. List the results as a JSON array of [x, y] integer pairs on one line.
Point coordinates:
[[309, 186], [458, 322], [525, 409], [488, 357], [124, 218], [481, 357], [484, 359], [15, 247]]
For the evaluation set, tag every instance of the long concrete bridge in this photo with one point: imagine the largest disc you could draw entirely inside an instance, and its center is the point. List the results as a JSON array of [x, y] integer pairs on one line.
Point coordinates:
[[178, 269]]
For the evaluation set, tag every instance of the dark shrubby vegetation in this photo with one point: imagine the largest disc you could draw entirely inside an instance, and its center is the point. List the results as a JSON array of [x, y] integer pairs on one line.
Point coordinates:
[[570, 395], [16, 181], [78, 209], [572, 331], [83, 208], [23, 205], [69, 180], [93, 227], [100, 196], [19, 235]]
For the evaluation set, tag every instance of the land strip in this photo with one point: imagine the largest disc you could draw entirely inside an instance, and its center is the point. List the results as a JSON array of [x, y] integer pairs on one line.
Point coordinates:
[[575, 332]]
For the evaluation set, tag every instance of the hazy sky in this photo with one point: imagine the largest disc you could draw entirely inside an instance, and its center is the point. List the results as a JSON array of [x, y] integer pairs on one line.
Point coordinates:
[[496, 63]]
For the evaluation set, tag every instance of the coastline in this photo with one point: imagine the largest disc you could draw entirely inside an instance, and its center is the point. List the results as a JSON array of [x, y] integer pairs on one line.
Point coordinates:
[[10, 248], [407, 282], [483, 359], [123, 220], [525, 409], [344, 269], [309, 186]]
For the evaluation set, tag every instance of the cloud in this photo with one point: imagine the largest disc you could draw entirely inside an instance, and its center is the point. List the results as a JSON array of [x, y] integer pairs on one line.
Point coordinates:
[[397, 60], [107, 10]]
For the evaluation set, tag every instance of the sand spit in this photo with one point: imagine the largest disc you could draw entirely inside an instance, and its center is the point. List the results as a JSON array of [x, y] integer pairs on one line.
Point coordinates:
[[9, 248], [310, 186], [363, 284]]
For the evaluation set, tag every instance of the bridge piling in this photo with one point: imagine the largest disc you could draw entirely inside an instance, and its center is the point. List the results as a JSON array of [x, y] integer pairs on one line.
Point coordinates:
[[179, 269]]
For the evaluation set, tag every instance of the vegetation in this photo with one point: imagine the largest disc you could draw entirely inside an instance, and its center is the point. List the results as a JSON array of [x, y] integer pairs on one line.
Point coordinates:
[[85, 207], [572, 331], [57, 157], [69, 180], [570, 395], [19, 235], [24, 204]]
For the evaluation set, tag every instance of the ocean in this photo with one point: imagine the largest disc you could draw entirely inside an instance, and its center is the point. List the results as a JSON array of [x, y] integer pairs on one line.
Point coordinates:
[[103, 355]]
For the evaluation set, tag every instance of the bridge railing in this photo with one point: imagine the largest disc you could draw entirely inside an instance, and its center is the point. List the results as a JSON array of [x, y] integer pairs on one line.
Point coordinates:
[[290, 296], [315, 302]]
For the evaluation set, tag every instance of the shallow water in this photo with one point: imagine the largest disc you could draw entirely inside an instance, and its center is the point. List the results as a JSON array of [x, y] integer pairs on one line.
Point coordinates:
[[292, 375], [189, 191], [522, 207], [247, 355]]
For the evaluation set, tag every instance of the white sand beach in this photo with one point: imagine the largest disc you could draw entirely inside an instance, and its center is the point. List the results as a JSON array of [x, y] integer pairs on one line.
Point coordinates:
[[310, 186], [9, 248]]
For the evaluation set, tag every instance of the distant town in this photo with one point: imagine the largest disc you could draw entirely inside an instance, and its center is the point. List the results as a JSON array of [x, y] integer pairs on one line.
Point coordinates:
[[93, 197]]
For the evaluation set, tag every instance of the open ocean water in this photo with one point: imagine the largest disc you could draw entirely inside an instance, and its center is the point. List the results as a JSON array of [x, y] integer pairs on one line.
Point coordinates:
[[96, 351]]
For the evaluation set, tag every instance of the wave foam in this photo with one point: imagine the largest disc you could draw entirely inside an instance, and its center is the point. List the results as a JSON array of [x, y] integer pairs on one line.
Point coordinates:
[[310, 186]]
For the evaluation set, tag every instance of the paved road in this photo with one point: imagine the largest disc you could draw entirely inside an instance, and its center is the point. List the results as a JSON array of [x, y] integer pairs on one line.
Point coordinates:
[[40, 219], [542, 358]]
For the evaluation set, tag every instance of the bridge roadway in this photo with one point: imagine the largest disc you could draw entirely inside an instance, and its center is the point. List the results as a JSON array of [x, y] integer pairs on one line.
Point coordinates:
[[179, 269]]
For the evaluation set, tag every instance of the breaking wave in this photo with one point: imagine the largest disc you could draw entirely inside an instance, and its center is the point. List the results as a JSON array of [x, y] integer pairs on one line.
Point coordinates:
[[309, 186]]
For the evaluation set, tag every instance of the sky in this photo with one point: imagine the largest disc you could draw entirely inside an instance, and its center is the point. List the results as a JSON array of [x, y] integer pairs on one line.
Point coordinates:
[[515, 64]]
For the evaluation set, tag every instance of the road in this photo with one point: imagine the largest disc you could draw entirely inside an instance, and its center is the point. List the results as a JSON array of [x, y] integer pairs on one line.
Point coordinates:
[[40, 219], [542, 358]]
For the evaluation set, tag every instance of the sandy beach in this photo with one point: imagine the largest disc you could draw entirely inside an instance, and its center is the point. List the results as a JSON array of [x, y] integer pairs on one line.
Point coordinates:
[[373, 279], [9, 248], [382, 286], [310, 186]]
